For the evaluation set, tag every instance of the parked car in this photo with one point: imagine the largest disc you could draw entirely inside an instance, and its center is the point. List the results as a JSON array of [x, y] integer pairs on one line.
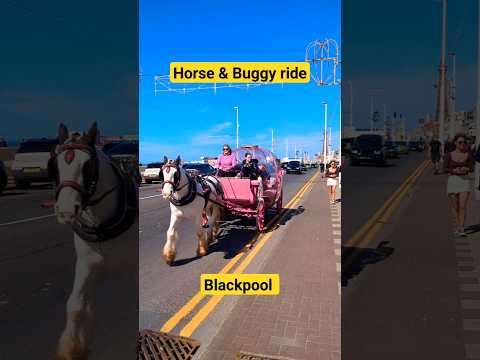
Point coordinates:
[[3, 176], [199, 169], [125, 155], [31, 162], [416, 146], [392, 150], [402, 147], [3, 143], [292, 166], [369, 148], [303, 166], [152, 172]]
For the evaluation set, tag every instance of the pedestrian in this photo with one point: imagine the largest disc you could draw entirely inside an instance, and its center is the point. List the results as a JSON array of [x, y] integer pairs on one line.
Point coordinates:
[[322, 167], [458, 164], [435, 153], [331, 173], [226, 162]]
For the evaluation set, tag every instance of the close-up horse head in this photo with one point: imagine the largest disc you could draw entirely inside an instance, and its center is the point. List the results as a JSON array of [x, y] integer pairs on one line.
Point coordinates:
[[76, 170], [170, 176]]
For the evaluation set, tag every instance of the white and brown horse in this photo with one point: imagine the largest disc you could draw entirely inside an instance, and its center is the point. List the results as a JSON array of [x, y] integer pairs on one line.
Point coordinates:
[[100, 203], [191, 200]]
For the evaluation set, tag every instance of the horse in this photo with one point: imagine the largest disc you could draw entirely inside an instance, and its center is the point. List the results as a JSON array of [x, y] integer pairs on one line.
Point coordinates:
[[100, 203], [191, 198]]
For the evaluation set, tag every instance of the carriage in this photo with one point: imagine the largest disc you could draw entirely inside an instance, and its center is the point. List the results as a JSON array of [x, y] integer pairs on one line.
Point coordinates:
[[252, 198]]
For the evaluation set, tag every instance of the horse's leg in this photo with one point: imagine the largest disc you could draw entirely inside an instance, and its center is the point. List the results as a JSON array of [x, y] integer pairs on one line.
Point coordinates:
[[202, 236], [169, 250], [217, 216], [76, 337]]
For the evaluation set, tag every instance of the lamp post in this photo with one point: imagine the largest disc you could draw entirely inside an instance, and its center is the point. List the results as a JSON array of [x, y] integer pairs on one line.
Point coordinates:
[[477, 114], [442, 70], [236, 108], [325, 133]]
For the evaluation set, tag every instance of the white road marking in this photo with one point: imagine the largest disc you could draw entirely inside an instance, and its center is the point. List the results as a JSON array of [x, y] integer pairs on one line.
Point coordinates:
[[148, 197], [27, 220]]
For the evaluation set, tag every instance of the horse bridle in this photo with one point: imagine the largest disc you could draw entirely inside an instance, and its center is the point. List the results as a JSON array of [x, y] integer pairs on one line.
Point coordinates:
[[90, 171], [176, 179]]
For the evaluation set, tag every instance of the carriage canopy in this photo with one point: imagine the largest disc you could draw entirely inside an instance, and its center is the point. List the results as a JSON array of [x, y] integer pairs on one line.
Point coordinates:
[[264, 157]]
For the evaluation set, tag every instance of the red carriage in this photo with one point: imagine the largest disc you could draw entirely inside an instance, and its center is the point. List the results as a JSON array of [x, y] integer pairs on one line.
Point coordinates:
[[252, 198]]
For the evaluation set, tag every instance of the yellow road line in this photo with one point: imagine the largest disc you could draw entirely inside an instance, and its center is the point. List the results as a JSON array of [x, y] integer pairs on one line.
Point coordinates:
[[203, 313], [197, 298], [360, 234]]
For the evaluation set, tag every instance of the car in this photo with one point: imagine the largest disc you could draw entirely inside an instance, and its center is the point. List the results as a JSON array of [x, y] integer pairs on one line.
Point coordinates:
[[3, 143], [292, 166], [125, 155], [199, 169], [152, 172], [402, 147], [30, 163], [303, 166], [369, 148], [3, 176], [392, 150], [416, 146]]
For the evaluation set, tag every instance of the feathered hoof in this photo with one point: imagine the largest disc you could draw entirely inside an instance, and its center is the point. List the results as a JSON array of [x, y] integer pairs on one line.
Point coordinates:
[[201, 251], [73, 354], [169, 258]]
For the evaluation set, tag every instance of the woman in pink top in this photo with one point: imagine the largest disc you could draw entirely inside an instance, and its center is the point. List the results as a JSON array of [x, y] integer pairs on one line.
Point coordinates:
[[226, 162]]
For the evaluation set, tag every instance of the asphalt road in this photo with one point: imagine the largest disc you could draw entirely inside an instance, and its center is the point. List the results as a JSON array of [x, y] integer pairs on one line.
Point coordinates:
[[165, 289], [37, 260], [365, 188]]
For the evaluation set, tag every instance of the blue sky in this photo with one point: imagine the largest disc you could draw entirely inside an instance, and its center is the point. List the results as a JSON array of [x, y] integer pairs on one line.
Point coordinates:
[[395, 45], [198, 123]]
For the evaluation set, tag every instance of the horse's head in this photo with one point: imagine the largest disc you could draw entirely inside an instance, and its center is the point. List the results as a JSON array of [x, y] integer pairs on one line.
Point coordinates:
[[75, 166], [170, 176]]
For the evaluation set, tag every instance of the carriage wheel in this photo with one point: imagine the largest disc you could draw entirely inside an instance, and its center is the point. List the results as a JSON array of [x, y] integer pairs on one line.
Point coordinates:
[[261, 215], [279, 204]]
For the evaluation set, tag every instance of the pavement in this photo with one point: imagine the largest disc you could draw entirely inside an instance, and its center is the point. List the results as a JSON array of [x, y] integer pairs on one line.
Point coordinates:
[[412, 291], [303, 322]]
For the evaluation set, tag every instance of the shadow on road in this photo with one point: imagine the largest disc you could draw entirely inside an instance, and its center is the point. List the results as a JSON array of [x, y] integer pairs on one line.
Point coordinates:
[[354, 260], [472, 229], [236, 233]]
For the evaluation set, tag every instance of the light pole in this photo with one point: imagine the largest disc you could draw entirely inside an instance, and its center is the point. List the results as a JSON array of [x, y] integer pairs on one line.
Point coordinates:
[[442, 70], [272, 140], [477, 113], [236, 108], [385, 119], [351, 104], [371, 113], [325, 133]]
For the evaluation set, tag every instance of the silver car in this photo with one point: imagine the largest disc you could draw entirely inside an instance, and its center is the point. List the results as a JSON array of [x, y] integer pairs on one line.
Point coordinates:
[[31, 162]]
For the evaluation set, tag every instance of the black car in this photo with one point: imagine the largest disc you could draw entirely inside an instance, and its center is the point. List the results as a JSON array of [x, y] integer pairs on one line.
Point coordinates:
[[199, 169], [392, 151], [369, 148], [416, 146], [3, 176], [292, 166]]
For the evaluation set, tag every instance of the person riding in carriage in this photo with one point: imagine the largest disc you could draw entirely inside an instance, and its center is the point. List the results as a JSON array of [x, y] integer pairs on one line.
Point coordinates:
[[250, 168], [226, 162]]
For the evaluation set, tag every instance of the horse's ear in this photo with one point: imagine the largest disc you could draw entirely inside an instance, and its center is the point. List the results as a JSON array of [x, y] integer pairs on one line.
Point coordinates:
[[165, 160], [62, 133], [177, 160], [91, 136]]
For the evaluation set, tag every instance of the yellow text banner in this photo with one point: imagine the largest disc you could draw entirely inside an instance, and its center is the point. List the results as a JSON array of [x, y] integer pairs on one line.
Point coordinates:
[[240, 284], [246, 72]]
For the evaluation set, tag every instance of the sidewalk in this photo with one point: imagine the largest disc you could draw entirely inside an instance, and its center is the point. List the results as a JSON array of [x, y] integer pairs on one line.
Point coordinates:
[[422, 301], [303, 322]]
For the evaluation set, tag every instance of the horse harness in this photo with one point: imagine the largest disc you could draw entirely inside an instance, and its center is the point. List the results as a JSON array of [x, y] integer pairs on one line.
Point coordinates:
[[192, 189], [125, 215]]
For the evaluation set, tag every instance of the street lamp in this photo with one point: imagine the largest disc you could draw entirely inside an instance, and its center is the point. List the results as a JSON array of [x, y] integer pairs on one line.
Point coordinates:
[[325, 134], [236, 108]]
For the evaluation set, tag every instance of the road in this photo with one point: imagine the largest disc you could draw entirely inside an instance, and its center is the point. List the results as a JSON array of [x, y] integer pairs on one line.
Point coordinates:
[[165, 289], [411, 289], [37, 261]]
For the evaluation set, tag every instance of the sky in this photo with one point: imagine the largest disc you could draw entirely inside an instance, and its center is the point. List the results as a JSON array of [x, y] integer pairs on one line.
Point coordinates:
[[198, 123], [71, 62], [395, 46]]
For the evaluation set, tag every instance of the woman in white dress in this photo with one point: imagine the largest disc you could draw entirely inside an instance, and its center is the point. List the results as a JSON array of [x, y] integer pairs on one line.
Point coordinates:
[[331, 174], [459, 163]]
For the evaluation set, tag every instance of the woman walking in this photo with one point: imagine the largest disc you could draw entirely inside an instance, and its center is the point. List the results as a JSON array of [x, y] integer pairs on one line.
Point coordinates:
[[331, 173], [458, 164]]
